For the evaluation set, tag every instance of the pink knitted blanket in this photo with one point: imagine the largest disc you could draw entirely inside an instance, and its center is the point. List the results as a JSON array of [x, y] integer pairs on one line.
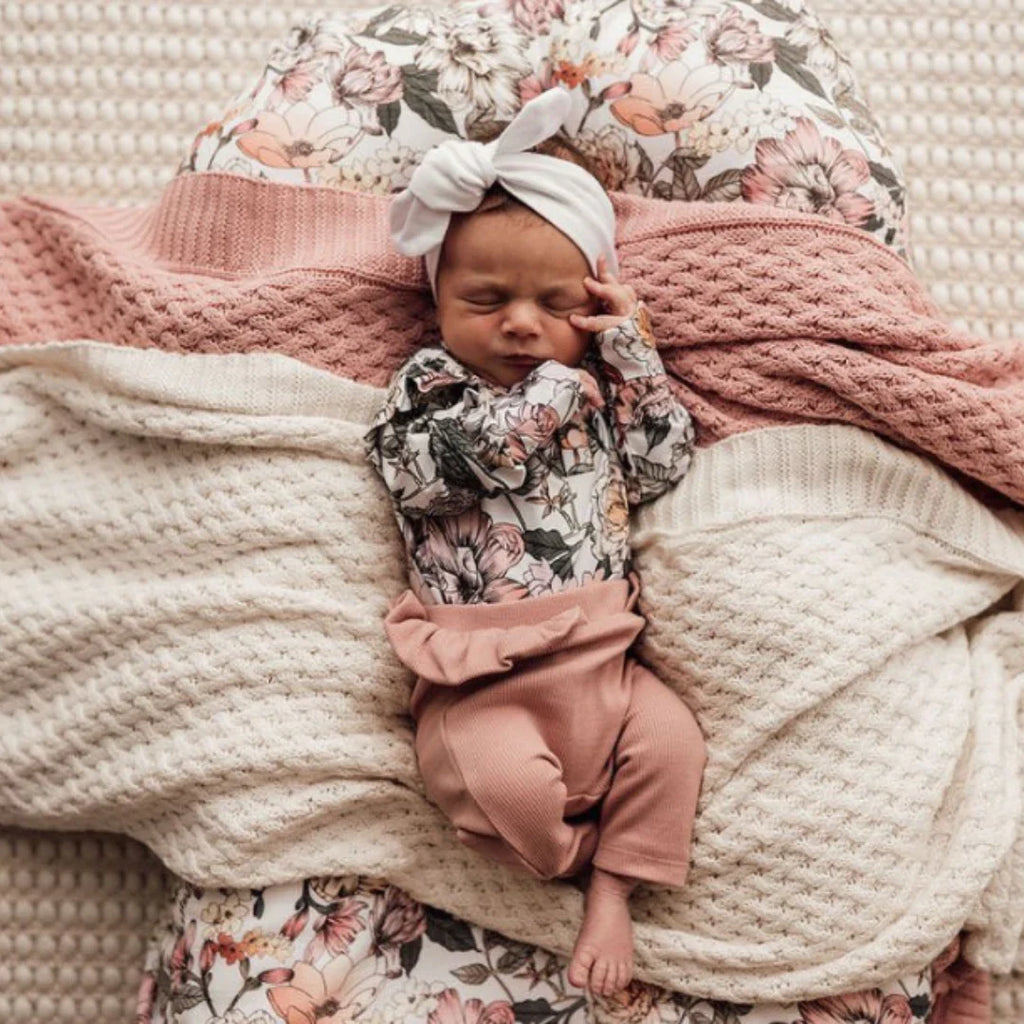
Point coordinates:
[[765, 318]]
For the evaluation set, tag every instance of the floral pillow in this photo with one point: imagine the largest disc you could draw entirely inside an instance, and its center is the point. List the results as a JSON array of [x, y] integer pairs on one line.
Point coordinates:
[[676, 99]]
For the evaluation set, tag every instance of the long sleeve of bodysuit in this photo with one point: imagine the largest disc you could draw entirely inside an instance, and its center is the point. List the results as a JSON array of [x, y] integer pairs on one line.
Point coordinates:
[[653, 432]]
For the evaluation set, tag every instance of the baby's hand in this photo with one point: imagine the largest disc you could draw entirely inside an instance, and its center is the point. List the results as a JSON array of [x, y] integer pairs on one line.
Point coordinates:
[[618, 299], [590, 388]]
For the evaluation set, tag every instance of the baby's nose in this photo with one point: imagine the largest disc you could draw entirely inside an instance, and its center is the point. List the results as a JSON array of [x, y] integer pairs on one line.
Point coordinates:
[[521, 317]]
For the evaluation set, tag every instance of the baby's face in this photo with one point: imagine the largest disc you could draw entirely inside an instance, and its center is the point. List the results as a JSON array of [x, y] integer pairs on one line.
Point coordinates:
[[505, 289]]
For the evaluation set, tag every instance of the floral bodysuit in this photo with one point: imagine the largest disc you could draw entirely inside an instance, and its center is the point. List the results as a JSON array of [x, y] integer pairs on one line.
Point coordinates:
[[507, 493]]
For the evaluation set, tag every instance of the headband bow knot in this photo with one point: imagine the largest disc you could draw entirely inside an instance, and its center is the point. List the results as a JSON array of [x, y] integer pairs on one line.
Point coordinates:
[[454, 177]]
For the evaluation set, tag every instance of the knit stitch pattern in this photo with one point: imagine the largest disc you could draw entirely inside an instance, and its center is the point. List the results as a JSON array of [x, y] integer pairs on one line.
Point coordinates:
[[198, 561], [764, 317]]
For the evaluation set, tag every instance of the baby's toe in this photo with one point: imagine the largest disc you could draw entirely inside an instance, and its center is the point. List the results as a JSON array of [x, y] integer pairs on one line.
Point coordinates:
[[625, 975], [579, 969], [599, 976]]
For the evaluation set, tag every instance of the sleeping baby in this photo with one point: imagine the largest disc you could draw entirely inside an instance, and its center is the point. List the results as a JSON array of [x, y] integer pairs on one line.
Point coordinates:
[[513, 454]]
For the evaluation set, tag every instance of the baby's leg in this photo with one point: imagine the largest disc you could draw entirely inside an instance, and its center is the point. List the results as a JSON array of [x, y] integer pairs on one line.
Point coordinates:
[[646, 822], [647, 815], [492, 774]]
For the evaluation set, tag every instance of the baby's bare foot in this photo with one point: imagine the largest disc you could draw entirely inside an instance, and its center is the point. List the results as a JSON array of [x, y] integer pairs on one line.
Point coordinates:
[[602, 959]]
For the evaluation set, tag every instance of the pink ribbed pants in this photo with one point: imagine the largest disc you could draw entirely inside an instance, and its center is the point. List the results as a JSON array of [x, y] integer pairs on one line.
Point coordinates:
[[545, 744]]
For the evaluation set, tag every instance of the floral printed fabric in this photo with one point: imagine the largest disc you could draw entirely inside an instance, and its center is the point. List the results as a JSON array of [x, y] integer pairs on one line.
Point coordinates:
[[505, 494], [677, 99], [343, 950]]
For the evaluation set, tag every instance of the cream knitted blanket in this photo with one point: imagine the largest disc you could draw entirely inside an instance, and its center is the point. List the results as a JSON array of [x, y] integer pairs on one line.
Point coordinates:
[[196, 560]]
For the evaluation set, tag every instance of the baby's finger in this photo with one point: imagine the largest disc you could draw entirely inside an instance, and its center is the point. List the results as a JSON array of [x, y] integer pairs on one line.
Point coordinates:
[[593, 324], [602, 269]]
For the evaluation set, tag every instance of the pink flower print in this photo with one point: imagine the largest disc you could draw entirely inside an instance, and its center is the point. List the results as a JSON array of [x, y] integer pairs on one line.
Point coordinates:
[[463, 559], [534, 17], [575, 445], [644, 399], [336, 929], [536, 423], [302, 137], [295, 84], [181, 955], [671, 40], [733, 39], [207, 955], [627, 44], [293, 927], [869, 1007], [677, 98], [540, 81], [451, 1010], [147, 999], [366, 78], [806, 172], [336, 995], [396, 919], [214, 128]]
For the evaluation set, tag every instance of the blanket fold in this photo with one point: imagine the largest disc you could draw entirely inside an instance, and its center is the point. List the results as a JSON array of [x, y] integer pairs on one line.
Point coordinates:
[[193, 655]]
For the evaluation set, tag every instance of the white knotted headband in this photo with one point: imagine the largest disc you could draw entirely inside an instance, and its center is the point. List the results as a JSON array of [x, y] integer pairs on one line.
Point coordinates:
[[455, 175]]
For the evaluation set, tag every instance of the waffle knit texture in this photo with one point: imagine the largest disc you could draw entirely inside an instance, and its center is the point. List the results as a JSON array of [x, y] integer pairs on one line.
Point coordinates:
[[763, 317], [197, 562]]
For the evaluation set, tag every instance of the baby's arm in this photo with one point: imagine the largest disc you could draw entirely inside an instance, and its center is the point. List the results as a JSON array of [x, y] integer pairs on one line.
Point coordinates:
[[653, 432], [440, 447]]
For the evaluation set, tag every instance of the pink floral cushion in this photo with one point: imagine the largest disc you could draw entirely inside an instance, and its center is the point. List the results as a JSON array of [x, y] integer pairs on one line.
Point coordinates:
[[677, 99]]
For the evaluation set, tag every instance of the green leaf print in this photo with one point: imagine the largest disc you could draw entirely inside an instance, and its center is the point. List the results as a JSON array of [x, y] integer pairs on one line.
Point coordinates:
[[379, 19], [409, 954], [655, 431], [400, 37], [421, 95], [761, 73], [186, 997], [829, 117], [388, 114], [550, 547], [790, 60], [883, 175], [452, 454], [514, 958], [684, 180], [443, 929], [534, 1011], [773, 10], [472, 974], [724, 187]]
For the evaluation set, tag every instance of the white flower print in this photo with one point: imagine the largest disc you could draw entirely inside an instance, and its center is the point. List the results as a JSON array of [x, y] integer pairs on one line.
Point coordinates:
[[823, 58], [227, 914], [478, 62]]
